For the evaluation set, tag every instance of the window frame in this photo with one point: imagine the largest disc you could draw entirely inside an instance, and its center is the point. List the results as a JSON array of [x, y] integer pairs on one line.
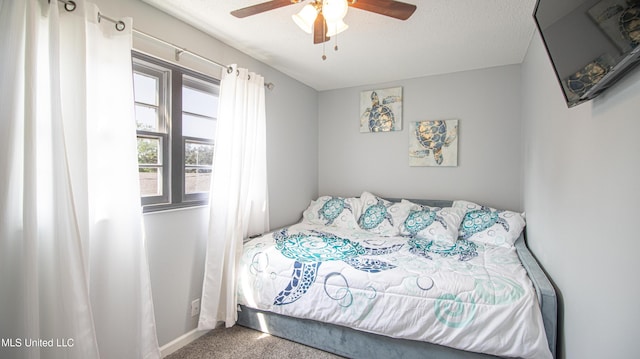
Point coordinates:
[[173, 142], [163, 77]]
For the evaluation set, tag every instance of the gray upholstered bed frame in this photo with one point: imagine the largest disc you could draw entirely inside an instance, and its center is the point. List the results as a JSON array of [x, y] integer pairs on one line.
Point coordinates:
[[353, 343]]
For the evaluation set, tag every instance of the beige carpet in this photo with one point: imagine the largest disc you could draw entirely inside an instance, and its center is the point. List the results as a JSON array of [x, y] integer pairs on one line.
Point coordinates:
[[239, 342]]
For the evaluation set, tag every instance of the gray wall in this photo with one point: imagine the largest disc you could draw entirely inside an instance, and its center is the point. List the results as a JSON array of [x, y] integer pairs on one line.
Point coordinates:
[[582, 172], [487, 104], [176, 240]]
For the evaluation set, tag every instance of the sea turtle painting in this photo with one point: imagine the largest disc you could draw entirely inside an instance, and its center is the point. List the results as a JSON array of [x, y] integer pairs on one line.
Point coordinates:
[[332, 209], [374, 215], [431, 137], [310, 250], [381, 117], [478, 220]]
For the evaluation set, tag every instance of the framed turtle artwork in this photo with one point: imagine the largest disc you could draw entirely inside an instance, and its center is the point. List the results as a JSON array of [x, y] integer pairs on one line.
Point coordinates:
[[433, 143], [381, 110]]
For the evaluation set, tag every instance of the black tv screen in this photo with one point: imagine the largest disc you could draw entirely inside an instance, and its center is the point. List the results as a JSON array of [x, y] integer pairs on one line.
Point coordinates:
[[591, 43]]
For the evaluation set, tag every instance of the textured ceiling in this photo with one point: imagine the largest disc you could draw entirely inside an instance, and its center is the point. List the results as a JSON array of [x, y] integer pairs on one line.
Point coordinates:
[[442, 36]]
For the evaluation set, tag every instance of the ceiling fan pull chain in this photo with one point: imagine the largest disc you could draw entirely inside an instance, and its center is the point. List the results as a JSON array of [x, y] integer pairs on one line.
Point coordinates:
[[324, 39], [324, 56]]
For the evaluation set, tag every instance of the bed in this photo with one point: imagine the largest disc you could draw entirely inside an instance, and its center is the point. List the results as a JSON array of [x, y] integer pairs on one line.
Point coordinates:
[[368, 277]]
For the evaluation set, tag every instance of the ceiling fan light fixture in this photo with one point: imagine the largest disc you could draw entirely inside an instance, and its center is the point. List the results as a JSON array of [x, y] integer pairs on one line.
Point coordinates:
[[324, 18], [334, 10], [305, 18]]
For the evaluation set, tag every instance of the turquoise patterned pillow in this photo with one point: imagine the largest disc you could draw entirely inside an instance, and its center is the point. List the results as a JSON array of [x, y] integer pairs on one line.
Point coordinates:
[[433, 223], [489, 225], [381, 216], [332, 211]]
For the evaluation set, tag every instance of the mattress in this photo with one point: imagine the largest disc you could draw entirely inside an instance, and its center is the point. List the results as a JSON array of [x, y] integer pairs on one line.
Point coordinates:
[[470, 296]]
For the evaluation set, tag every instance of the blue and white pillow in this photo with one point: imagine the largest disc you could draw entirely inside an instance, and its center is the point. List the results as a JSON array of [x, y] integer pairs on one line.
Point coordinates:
[[375, 216], [379, 215], [489, 225], [433, 223], [332, 211]]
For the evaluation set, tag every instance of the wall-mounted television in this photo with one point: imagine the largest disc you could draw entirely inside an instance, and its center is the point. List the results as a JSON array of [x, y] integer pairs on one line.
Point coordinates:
[[591, 43]]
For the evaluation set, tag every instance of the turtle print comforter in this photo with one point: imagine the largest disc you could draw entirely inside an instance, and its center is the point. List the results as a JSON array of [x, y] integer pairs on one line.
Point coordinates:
[[470, 296]]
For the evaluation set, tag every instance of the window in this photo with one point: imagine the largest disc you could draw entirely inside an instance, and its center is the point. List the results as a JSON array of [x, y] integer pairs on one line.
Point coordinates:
[[176, 121]]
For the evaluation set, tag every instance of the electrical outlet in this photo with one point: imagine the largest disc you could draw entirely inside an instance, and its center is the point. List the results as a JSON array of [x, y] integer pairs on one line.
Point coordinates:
[[195, 307]]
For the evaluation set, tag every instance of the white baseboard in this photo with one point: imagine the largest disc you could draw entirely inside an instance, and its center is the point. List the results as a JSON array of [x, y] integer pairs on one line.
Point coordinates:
[[181, 341]]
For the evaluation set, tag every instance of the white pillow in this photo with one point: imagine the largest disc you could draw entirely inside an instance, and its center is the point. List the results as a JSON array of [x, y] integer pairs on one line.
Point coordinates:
[[332, 211], [433, 223], [489, 225], [379, 215]]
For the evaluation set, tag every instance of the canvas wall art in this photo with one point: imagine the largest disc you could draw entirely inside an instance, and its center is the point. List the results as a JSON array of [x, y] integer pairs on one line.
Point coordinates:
[[433, 143], [381, 110]]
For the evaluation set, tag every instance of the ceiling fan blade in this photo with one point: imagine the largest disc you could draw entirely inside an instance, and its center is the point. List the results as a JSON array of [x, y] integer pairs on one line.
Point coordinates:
[[256, 9], [395, 9], [320, 29]]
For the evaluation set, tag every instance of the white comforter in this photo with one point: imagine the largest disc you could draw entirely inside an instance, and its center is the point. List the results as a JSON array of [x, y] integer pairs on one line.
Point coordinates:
[[473, 297]]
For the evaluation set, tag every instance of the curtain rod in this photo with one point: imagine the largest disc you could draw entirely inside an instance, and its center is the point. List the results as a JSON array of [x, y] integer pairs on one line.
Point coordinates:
[[70, 5], [180, 50]]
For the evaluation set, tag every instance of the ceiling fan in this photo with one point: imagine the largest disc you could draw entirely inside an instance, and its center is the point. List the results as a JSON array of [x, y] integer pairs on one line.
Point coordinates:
[[324, 17]]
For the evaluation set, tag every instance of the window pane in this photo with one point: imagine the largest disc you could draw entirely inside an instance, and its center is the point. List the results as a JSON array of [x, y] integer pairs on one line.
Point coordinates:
[[149, 151], [197, 180], [150, 181], [146, 118], [198, 154], [199, 102], [198, 158], [196, 126], [145, 89]]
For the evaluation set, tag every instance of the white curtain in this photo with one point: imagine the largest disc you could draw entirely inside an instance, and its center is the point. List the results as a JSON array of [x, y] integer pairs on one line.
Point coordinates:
[[74, 277], [238, 198]]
